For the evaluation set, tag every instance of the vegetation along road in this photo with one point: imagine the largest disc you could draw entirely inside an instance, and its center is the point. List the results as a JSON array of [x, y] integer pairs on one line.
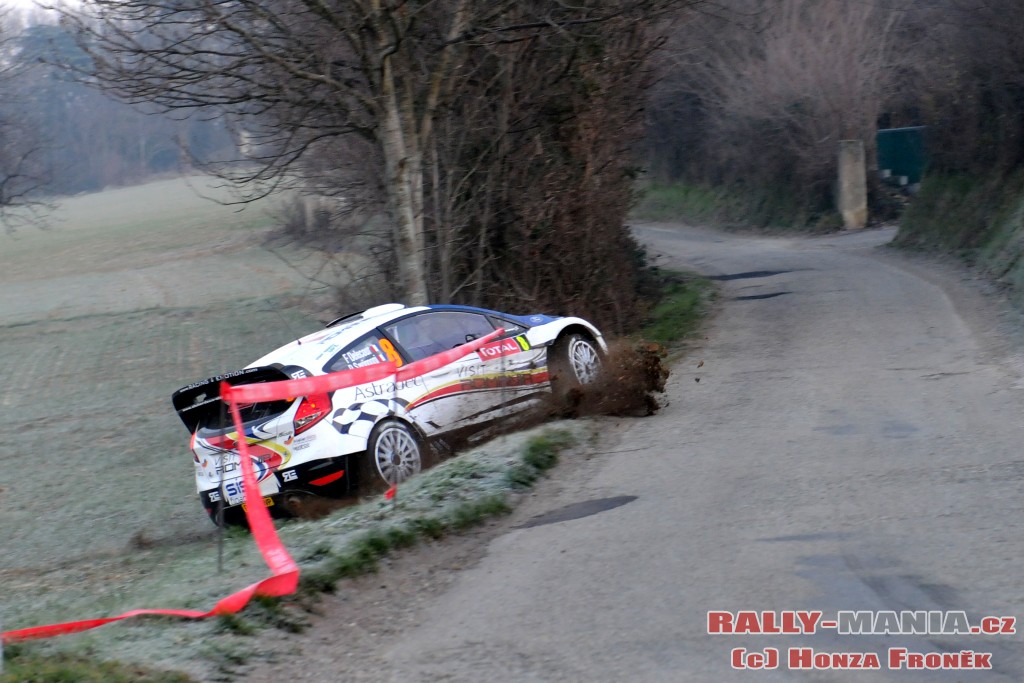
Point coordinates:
[[853, 443]]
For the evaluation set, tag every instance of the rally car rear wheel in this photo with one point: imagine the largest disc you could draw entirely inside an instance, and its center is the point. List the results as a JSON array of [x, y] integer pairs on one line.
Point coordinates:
[[394, 453], [226, 516]]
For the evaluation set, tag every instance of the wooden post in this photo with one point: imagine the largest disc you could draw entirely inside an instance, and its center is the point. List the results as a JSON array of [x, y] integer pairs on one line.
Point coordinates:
[[853, 185]]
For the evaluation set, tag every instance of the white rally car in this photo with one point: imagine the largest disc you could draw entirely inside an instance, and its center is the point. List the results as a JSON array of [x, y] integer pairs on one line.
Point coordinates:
[[379, 431]]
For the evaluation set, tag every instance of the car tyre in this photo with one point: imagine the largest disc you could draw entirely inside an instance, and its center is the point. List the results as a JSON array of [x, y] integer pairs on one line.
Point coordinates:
[[394, 452], [228, 516], [576, 361]]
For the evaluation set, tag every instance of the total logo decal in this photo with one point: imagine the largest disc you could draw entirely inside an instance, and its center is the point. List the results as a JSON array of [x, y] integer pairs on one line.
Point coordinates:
[[863, 622], [505, 347]]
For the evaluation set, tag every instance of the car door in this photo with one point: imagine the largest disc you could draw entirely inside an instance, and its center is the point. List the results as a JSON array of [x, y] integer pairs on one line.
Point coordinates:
[[445, 398], [515, 372]]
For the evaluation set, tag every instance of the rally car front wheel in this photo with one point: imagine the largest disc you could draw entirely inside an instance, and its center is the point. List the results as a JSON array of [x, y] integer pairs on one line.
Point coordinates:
[[394, 453], [576, 360]]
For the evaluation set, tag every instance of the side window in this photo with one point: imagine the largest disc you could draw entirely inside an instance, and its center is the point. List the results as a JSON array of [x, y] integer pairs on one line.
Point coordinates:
[[511, 328], [369, 350], [429, 333]]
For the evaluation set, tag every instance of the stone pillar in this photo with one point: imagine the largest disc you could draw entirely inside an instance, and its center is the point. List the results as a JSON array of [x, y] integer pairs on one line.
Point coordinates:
[[853, 185]]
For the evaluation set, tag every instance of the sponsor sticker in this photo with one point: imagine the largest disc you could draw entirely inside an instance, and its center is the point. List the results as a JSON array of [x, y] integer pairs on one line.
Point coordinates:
[[219, 378], [234, 492], [378, 389], [505, 347]]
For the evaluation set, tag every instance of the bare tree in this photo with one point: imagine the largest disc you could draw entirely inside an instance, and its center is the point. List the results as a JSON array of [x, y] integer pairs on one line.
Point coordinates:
[[22, 175], [776, 84], [295, 74], [547, 168], [973, 90]]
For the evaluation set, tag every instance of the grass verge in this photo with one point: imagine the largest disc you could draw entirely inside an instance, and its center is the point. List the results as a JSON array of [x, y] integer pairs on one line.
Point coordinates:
[[453, 496], [360, 556], [678, 201], [680, 307], [426, 512], [953, 213], [980, 220], [765, 208], [21, 666]]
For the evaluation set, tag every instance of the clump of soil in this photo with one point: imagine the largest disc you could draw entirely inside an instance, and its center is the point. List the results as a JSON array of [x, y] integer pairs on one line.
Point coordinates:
[[633, 372]]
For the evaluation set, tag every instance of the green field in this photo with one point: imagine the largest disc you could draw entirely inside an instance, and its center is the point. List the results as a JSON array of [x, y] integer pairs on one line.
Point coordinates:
[[128, 295], [135, 293], [132, 294]]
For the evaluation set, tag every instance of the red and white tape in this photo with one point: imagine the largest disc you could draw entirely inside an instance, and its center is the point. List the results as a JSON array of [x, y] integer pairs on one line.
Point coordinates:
[[284, 572]]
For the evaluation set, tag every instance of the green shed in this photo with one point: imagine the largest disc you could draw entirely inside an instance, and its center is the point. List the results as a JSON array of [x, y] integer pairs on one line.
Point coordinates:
[[902, 153]]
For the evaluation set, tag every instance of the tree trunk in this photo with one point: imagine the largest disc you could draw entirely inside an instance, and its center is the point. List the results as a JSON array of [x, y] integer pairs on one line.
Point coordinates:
[[405, 133], [403, 167], [404, 171]]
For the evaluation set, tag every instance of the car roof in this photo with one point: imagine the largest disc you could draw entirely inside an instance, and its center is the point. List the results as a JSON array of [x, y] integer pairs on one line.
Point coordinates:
[[318, 345], [314, 350]]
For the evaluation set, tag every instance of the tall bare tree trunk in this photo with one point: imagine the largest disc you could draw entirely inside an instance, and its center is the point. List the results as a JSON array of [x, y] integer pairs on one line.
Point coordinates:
[[404, 172], [405, 133]]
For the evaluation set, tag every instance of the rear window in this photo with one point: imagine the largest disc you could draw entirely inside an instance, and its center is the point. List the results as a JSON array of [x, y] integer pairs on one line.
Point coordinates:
[[220, 418], [201, 408]]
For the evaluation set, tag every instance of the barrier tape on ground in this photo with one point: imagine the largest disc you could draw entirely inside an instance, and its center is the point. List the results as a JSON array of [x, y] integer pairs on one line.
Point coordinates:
[[283, 580], [284, 576]]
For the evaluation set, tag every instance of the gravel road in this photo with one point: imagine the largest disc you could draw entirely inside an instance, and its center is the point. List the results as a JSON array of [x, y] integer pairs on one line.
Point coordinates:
[[853, 443]]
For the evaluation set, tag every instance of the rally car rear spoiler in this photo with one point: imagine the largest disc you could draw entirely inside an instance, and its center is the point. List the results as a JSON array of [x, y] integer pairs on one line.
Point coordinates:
[[195, 402]]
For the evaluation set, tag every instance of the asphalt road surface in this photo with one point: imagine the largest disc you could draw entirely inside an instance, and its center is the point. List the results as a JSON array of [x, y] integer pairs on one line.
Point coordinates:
[[854, 442]]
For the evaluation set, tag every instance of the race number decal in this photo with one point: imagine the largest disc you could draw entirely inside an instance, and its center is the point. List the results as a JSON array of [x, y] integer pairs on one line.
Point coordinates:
[[389, 349]]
